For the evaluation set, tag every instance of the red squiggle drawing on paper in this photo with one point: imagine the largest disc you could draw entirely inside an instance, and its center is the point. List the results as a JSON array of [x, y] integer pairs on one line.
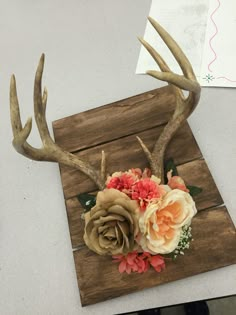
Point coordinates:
[[233, 81], [209, 77], [213, 36]]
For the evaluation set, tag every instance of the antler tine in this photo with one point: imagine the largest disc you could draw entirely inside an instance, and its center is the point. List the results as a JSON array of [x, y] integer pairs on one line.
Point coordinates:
[[162, 65], [175, 79], [103, 166], [40, 104], [175, 49], [50, 151], [184, 106], [155, 55], [14, 106], [20, 134]]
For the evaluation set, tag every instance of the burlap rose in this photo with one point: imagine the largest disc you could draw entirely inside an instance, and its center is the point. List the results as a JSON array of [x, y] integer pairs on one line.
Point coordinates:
[[112, 224]]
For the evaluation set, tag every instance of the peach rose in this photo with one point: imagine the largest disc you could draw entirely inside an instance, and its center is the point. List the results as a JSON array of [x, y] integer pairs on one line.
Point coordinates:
[[161, 224], [112, 224]]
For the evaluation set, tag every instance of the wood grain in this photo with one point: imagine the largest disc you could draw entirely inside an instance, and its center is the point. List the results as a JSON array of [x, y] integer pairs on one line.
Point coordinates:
[[125, 153], [116, 120], [195, 172], [114, 128], [214, 246]]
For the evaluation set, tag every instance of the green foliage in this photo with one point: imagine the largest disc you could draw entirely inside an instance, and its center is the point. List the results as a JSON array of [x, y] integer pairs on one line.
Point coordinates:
[[194, 190], [87, 201]]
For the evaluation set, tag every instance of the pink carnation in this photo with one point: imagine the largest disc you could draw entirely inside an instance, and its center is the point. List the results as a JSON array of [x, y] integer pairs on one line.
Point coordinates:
[[140, 263], [146, 173], [145, 190], [138, 172], [122, 182]]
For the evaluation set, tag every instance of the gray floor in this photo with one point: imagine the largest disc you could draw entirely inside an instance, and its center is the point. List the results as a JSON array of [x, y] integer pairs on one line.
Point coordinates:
[[175, 310], [224, 306]]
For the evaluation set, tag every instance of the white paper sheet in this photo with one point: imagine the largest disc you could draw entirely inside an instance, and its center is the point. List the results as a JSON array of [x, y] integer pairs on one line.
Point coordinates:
[[205, 30], [218, 63], [186, 21]]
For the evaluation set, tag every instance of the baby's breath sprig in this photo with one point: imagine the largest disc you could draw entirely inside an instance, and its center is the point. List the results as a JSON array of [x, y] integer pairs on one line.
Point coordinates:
[[184, 242]]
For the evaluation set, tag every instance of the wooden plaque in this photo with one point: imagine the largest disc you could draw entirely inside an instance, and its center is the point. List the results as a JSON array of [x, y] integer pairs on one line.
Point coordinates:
[[113, 128]]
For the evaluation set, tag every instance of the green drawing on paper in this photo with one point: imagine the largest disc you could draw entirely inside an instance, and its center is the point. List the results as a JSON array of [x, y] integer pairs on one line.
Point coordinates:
[[208, 78]]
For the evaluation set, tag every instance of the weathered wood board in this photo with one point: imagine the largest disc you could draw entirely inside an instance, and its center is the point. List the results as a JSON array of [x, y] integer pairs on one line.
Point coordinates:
[[114, 128]]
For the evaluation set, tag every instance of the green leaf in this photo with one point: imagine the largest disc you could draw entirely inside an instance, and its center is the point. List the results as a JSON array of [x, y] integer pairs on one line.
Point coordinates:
[[168, 166], [87, 201], [170, 256], [194, 190]]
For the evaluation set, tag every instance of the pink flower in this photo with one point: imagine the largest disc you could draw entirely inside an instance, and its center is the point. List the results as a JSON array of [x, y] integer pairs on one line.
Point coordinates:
[[125, 181], [176, 182], [132, 262], [157, 262], [138, 172], [146, 189], [147, 173], [121, 181], [139, 262]]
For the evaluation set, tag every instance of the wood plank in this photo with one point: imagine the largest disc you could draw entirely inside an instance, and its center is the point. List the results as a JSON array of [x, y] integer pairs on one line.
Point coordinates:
[[195, 172], [113, 128], [183, 148], [214, 246], [76, 224], [115, 120]]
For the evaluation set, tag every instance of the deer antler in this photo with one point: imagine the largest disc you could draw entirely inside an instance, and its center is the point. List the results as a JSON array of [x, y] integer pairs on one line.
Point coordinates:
[[184, 105], [50, 150]]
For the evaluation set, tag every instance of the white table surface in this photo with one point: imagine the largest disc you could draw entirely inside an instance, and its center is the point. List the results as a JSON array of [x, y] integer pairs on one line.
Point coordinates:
[[91, 54]]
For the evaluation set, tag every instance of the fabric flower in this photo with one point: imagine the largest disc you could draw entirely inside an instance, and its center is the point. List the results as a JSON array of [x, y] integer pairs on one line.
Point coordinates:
[[122, 181], [139, 262], [161, 224], [176, 182], [138, 172], [157, 262], [132, 262], [146, 189], [112, 225]]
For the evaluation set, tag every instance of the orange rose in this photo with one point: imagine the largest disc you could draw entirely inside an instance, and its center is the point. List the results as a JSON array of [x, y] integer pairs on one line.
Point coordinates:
[[162, 222]]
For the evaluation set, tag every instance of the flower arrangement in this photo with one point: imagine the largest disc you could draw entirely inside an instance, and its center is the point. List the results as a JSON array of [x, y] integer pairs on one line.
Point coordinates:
[[140, 221]]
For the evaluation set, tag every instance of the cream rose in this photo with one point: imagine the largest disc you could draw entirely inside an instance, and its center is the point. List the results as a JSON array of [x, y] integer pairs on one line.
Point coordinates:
[[162, 222], [112, 224]]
